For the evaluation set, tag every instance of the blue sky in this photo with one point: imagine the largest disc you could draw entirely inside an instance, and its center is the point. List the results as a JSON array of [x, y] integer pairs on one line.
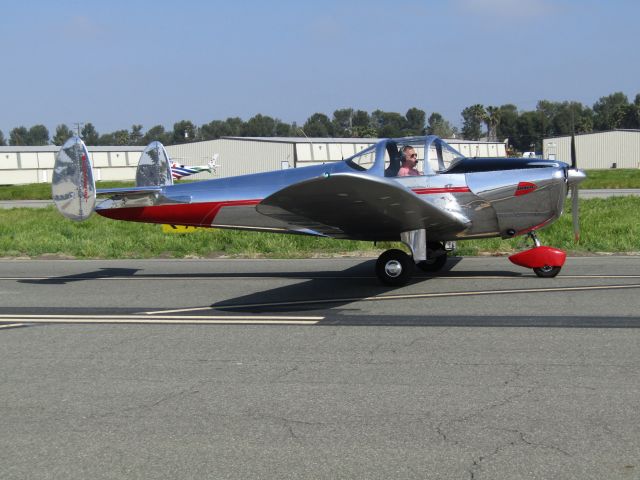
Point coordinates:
[[116, 63]]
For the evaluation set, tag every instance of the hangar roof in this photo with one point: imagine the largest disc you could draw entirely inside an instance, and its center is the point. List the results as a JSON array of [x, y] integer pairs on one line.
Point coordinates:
[[336, 140], [304, 139], [56, 148], [626, 130]]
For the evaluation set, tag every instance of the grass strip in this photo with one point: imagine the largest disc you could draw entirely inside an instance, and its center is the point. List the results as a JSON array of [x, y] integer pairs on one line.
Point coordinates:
[[612, 178], [608, 225]]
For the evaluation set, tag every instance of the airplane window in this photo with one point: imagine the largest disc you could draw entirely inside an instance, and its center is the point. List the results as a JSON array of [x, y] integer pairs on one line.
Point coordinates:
[[363, 160], [442, 156]]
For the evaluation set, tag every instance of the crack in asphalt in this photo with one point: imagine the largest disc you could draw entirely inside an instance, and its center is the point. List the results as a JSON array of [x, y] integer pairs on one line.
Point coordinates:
[[521, 439], [286, 373], [147, 406]]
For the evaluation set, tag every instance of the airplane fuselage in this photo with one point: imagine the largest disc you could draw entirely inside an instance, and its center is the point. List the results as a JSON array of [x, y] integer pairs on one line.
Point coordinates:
[[499, 203]]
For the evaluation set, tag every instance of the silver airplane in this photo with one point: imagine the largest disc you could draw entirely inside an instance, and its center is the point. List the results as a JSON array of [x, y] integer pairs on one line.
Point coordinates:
[[360, 198]]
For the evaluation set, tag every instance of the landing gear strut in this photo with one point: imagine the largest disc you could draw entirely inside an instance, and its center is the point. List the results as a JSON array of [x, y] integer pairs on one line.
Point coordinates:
[[546, 262]]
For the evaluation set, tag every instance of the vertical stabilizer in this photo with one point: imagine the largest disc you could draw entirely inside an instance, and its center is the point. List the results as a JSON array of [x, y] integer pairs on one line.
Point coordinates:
[[154, 167], [72, 187]]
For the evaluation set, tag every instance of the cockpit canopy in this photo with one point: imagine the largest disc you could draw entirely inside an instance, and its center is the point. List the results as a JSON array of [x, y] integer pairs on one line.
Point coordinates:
[[385, 157]]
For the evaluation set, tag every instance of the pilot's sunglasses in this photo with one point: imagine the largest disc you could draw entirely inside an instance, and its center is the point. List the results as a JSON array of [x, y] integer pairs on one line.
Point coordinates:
[[414, 155]]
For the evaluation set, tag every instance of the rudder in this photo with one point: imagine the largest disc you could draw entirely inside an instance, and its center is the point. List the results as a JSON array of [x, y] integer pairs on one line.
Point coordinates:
[[154, 168], [72, 187]]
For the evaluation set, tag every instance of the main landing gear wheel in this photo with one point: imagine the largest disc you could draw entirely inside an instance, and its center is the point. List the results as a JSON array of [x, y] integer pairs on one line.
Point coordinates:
[[394, 267], [436, 258], [433, 264], [547, 272]]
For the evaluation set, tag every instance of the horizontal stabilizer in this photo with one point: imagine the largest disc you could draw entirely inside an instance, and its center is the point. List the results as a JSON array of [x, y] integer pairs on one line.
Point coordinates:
[[72, 186], [129, 191], [358, 206]]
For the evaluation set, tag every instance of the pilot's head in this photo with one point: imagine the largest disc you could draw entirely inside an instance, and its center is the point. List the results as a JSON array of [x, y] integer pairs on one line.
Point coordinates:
[[409, 156]]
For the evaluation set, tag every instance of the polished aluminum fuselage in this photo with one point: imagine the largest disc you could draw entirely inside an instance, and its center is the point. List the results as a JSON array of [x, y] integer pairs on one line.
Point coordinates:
[[497, 202]]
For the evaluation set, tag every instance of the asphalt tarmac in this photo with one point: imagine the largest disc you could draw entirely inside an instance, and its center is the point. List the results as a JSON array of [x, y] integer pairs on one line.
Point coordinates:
[[310, 369]]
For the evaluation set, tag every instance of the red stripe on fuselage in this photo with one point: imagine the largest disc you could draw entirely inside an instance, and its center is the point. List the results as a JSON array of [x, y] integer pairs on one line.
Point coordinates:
[[196, 214], [427, 191]]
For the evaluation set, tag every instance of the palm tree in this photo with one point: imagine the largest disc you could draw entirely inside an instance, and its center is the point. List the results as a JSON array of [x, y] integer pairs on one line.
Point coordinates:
[[492, 119]]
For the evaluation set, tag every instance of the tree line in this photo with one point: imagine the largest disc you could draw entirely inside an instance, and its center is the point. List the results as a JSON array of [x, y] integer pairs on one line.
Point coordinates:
[[523, 129]]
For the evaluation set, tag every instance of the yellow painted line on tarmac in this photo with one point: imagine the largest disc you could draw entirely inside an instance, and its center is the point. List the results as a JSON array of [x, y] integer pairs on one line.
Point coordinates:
[[414, 296], [182, 310], [13, 325], [164, 320]]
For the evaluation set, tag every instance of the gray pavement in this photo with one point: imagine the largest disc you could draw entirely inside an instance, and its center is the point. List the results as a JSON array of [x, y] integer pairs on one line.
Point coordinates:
[[6, 204], [485, 372], [610, 192]]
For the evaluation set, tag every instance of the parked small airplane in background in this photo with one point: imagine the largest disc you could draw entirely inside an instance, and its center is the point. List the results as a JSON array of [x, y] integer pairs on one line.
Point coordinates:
[[361, 198], [154, 160], [179, 171]]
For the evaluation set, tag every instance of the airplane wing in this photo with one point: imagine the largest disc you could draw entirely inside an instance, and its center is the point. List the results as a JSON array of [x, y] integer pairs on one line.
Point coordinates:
[[357, 206]]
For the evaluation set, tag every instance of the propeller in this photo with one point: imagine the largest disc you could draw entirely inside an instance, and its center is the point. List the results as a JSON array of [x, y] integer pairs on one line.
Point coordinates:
[[574, 177], [574, 192]]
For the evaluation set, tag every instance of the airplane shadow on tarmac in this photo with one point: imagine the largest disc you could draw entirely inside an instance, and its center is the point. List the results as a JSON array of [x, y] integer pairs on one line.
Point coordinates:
[[114, 273], [337, 289], [359, 275], [80, 277], [326, 296]]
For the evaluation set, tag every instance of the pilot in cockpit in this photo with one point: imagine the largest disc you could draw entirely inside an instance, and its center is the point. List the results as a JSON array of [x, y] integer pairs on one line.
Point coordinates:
[[409, 162]]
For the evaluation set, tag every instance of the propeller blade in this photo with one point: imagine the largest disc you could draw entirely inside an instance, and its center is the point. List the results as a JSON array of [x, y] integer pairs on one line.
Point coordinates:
[[575, 213], [574, 161]]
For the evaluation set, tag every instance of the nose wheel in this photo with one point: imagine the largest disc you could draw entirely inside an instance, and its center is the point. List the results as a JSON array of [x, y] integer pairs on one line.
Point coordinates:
[[547, 271], [546, 262], [394, 268]]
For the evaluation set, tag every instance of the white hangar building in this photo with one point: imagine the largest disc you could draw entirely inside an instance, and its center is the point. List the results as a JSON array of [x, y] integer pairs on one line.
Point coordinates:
[[20, 165], [600, 150], [237, 156], [240, 155]]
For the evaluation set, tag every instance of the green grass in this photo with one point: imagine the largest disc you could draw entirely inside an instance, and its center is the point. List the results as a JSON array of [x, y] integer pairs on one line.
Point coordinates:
[[612, 178], [42, 191], [37, 232], [608, 225]]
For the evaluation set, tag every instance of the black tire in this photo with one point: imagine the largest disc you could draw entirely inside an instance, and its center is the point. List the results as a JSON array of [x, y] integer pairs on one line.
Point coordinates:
[[433, 264], [394, 268], [547, 272]]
